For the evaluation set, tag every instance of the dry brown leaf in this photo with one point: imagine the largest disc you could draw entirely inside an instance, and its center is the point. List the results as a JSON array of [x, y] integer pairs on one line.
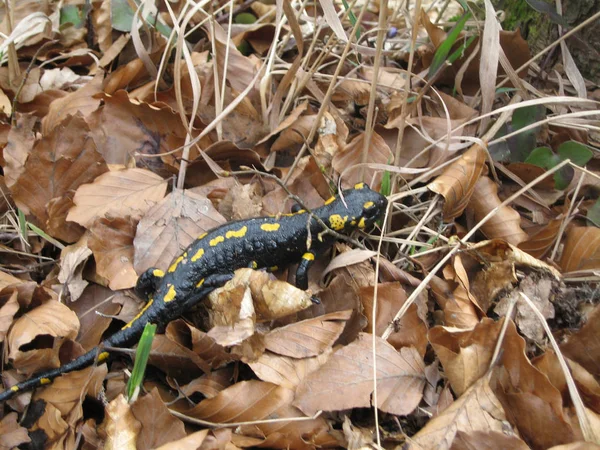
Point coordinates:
[[580, 445], [256, 400], [170, 226], [72, 263], [454, 300], [487, 440], [192, 441], [129, 192], [209, 385], [352, 154], [505, 223], [477, 409], [49, 319], [285, 371], [539, 242], [309, 337], [95, 309], [531, 403], [58, 164], [20, 141], [582, 249], [411, 331], [111, 241], [9, 306], [584, 346], [158, 425], [122, 428], [494, 278], [52, 424], [68, 391], [346, 379], [465, 355], [11, 433], [457, 183]]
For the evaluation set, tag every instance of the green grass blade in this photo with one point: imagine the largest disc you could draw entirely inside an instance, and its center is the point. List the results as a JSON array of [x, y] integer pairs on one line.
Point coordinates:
[[141, 360], [441, 54]]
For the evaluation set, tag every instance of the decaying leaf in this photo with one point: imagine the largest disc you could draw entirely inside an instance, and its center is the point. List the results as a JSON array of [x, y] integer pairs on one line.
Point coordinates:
[[346, 379], [584, 345], [73, 258]]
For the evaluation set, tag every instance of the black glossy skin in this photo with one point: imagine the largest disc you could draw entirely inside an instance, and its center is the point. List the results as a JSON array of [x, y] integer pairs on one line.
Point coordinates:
[[209, 262]]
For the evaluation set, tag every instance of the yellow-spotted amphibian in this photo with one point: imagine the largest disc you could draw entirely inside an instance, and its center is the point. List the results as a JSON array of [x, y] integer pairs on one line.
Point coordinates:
[[209, 262]]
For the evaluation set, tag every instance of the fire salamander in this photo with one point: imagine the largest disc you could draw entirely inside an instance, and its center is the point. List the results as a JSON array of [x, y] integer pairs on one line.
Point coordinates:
[[209, 262]]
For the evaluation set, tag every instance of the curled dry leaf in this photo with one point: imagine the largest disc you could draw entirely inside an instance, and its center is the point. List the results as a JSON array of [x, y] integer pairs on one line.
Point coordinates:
[[532, 404], [170, 226], [111, 241], [57, 165], [309, 337], [538, 243], [175, 359], [121, 427], [582, 249], [129, 192], [465, 355], [457, 183], [18, 146], [346, 379], [477, 409], [11, 433], [49, 319], [505, 223], [72, 263], [9, 305], [159, 426], [53, 425]]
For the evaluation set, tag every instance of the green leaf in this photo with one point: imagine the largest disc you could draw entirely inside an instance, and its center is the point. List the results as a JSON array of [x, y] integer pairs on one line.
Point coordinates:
[[71, 14], [141, 360], [352, 18], [245, 18], [548, 9], [543, 157], [521, 144], [578, 153], [460, 51], [244, 47], [122, 18], [23, 225], [386, 184], [444, 50], [593, 214]]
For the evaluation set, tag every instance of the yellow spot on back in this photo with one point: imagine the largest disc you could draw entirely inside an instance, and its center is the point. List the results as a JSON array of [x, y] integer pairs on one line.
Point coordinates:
[[361, 223], [158, 273], [202, 236], [44, 381], [170, 296], [15, 388], [199, 254], [308, 256], [273, 268], [216, 241], [254, 265], [300, 211], [237, 234], [368, 205], [270, 226], [359, 186], [143, 310], [175, 264], [103, 356], [337, 222], [200, 283], [329, 200]]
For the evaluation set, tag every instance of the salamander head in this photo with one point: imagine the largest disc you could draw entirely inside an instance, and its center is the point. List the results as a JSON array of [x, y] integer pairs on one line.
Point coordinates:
[[360, 209]]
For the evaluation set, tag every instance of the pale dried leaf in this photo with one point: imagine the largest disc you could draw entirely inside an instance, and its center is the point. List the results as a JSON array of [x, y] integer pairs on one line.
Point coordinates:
[[11, 433], [582, 249], [285, 371], [72, 262], [121, 426], [192, 441], [129, 192], [170, 226], [309, 337], [346, 379]]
